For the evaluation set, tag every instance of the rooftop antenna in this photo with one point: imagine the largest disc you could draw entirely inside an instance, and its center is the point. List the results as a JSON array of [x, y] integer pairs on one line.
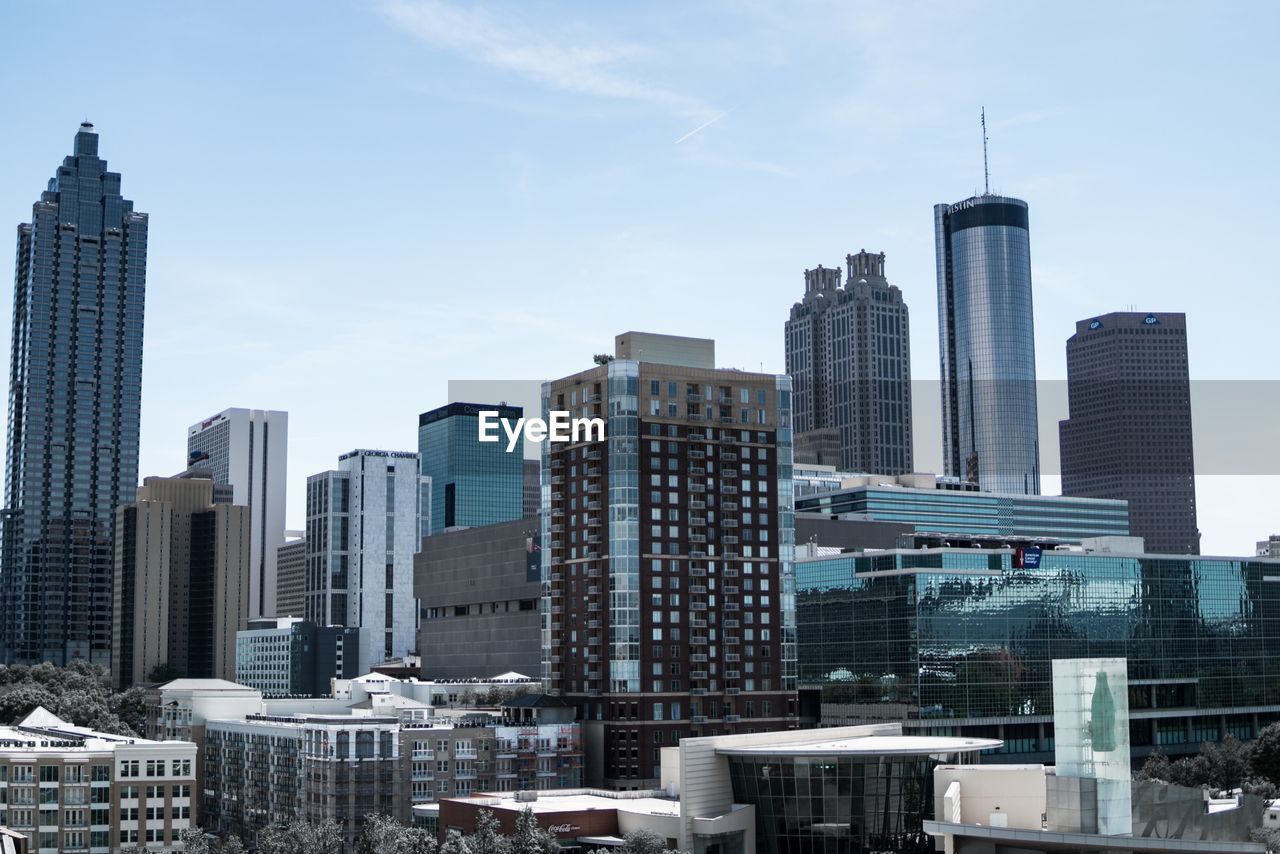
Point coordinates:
[[986, 171]]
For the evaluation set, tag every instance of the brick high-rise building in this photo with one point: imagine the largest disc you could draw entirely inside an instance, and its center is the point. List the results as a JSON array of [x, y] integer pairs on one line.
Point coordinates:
[[668, 606], [1129, 431], [849, 356]]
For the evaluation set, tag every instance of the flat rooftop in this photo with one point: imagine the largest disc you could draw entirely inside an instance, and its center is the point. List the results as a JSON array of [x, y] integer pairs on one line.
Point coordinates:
[[880, 745], [571, 800]]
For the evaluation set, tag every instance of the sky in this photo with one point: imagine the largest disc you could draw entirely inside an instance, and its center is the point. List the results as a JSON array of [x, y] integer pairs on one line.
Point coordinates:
[[354, 203]]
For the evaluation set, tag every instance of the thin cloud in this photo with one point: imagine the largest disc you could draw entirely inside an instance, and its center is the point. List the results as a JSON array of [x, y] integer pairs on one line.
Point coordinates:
[[588, 69]]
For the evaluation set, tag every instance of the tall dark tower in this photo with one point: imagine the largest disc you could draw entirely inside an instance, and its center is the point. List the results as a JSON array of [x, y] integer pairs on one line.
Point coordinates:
[[75, 389], [987, 344], [1129, 431], [849, 354]]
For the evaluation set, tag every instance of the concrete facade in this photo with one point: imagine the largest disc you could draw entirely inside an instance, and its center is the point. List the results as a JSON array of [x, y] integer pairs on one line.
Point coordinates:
[[363, 529], [848, 350], [249, 449], [181, 581], [479, 592]]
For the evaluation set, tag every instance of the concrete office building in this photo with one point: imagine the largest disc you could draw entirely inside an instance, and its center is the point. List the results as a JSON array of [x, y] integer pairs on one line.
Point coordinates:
[[960, 640], [473, 483], [667, 559], [479, 591], [290, 657], [291, 576], [181, 584], [661, 349], [987, 344], [926, 504], [249, 449], [1269, 547], [849, 356], [363, 529], [75, 388], [69, 788], [1129, 431]]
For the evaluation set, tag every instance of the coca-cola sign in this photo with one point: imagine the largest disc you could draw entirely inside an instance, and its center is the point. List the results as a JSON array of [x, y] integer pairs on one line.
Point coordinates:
[[563, 828]]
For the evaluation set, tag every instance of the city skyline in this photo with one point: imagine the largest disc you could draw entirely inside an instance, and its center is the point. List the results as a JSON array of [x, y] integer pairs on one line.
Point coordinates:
[[586, 177]]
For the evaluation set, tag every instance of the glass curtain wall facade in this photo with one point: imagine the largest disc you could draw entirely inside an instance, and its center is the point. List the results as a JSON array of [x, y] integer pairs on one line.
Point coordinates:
[[978, 513], [473, 483], [962, 641], [838, 804], [75, 388], [987, 352]]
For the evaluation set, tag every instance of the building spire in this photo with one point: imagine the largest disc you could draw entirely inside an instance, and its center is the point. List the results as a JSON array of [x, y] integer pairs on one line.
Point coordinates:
[[986, 171]]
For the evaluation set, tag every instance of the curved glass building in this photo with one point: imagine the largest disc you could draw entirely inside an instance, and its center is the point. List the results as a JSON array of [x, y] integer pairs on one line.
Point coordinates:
[[987, 344], [844, 795]]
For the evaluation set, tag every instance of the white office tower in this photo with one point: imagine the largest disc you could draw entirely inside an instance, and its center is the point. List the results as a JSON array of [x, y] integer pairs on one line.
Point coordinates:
[[248, 450], [363, 523]]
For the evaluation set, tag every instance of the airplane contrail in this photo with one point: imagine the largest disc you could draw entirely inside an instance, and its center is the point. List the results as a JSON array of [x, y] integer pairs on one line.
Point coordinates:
[[700, 128]]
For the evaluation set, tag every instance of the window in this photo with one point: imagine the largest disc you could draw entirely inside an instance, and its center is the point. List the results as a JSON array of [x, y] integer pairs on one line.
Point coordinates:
[[129, 768]]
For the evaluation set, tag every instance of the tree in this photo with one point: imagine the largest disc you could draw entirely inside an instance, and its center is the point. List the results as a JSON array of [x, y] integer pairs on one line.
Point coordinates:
[[529, 838], [1156, 767], [454, 843], [602, 358], [1264, 753], [384, 835], [302, 837], [1224, 765], [488, 838]]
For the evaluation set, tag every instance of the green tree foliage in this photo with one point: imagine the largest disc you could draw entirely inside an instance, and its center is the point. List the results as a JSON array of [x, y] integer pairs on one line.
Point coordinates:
[[529, 838], [79, 693], [488, 838], [196, 841], [384, 835], [1264, 754], [1223, 765], [302, 837], [454, 843], [640, 842]]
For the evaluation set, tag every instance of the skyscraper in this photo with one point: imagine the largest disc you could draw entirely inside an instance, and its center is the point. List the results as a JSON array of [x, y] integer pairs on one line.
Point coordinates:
[[75, 388], [849, 355], [987, 344], [668, 552], [473, 483], [249, 449], [1128, 434], [181, 582], [363, 525]]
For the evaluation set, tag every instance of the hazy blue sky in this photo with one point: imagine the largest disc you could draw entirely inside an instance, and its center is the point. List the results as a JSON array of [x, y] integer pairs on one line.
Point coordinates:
[[354, 203]]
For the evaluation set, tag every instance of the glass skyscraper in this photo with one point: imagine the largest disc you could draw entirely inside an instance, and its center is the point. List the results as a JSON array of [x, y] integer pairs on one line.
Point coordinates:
[[473, 483], [75, 389], [987, 344]]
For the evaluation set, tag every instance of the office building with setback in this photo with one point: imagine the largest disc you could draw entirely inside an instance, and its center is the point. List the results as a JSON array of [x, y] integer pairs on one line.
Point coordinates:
[[75, 389], [849, 357], [667, 559]]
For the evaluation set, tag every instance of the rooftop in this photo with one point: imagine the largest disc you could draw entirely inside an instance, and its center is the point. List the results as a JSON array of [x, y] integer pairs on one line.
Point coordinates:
[[573, 800], [876, 745]]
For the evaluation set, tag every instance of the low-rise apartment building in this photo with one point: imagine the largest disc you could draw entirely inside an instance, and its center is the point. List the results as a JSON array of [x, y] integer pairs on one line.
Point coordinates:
[[71, 789]]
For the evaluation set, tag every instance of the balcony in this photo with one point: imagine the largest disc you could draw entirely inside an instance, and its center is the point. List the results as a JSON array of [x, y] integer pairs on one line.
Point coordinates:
[[731, 674], [729, 506], [593, 572], [733, 692], [728, 457], [698, 521], [593, 624], [424, 754], [728, 490], [557, 480], [594, 522], [593, 590], [593, 488], [731, 555], [730, 573], [731, 589], [732, 719], [593, 539], [698, 640], [697, 487], [697, 572], [421, 776], [593, 455], [697, 538], [698, 554], [729, 540], [593, 505], [697, 471], [728, 438], [728, 523], [697, 606], [698, 658], [593, 606], [697, 437], [697, 455], [695, 504], [729, 474], [698, 674], [733, 640], [733, 656], [593, 471], [699, 589], [730, 624], [557, 529], [695, 623]]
